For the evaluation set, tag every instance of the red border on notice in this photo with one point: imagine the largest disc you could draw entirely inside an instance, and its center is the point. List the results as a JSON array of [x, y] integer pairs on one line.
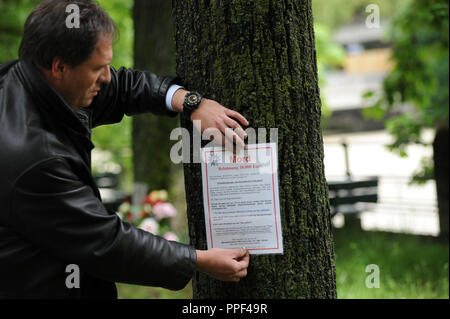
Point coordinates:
[[273, 189]]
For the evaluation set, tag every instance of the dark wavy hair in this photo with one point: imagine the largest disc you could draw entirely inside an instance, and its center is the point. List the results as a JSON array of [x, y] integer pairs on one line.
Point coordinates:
[[47, 36]]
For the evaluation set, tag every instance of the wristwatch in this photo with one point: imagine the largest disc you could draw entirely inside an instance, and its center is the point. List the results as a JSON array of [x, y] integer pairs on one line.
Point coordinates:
[[191, 102]]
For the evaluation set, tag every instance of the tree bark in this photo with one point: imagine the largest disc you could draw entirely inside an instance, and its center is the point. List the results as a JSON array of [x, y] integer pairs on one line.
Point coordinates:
[[154, 50], [441, 176], [258, 57]]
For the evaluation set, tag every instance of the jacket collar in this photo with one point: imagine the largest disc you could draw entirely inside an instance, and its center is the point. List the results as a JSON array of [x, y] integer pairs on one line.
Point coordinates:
[[46, 98]]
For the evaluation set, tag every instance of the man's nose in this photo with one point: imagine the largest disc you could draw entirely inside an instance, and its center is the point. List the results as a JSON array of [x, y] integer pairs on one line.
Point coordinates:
[[105, 76]]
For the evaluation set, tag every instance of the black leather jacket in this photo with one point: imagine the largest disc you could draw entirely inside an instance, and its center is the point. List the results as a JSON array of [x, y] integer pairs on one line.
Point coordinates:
[[51, 214]]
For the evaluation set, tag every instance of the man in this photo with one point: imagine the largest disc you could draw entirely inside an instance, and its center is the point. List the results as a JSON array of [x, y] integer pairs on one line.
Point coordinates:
[[52, 215]]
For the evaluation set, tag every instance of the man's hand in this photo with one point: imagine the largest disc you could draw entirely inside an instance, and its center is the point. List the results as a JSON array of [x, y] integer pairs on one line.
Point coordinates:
[[224, 264], [215, 120]]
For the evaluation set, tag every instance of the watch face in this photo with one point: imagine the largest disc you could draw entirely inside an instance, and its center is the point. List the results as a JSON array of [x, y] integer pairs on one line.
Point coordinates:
[[192, 99]]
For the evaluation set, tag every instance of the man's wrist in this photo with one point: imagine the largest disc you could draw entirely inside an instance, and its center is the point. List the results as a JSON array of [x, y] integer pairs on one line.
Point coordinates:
[[178, 99]]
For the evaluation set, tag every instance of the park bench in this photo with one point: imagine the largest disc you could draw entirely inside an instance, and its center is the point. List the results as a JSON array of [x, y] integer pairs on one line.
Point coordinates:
[[352, 196]]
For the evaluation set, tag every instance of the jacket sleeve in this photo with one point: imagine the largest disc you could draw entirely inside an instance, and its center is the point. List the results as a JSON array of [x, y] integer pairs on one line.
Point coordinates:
[[56, 211], [131, 92]]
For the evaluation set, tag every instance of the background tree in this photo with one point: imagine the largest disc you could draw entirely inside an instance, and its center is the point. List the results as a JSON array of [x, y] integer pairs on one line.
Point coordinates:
[[154, 50], [258, 57], [420, 36]]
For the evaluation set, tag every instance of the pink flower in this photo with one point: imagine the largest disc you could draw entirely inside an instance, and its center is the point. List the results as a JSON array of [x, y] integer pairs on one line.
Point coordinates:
[[163, 210], [170, 236], [150, 225]]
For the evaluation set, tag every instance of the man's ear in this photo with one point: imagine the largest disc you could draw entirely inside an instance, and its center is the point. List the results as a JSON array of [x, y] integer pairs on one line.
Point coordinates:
[[59, 68]]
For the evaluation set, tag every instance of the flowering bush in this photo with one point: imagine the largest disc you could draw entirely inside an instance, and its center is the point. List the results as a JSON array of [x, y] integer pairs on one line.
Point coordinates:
[[153, 215]]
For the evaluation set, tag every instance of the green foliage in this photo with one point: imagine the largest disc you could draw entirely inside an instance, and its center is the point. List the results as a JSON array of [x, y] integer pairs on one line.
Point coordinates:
[[329, 56], [424, 173], [121, 12], [13, 14], [116, 138], [406, 128], [420, 34], [421, 40]]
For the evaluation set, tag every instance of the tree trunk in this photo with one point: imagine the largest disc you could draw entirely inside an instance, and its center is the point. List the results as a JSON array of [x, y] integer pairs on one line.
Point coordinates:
[[258, 57], [154, 50], [441, 172]]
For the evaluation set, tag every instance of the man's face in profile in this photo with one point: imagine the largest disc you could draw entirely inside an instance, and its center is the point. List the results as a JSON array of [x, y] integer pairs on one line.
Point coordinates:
[[79, 85]]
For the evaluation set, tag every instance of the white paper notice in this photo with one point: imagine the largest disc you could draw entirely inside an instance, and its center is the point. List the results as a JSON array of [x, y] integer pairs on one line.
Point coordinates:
[[240, 198]]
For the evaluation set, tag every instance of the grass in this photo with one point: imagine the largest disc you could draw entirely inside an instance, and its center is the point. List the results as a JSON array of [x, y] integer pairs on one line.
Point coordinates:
[[411, 267], [126, 291]]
